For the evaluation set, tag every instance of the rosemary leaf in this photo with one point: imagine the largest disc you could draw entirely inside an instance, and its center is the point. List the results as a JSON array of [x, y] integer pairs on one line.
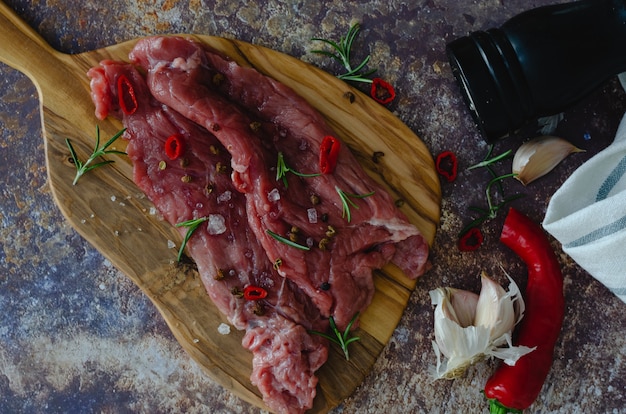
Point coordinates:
[[341, 339], [286, 241], [192, 226], [82, 168]]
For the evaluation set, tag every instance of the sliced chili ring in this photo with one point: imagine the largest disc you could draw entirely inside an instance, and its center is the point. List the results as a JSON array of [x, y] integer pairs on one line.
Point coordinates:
[[382, 92], [329, 152], [447, 165], [174, 146], [126, 95], [471, 240], [254, 293]]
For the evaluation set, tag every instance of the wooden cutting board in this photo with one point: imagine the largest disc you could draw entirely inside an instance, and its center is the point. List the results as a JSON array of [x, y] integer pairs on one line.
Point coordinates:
[[108, 210]]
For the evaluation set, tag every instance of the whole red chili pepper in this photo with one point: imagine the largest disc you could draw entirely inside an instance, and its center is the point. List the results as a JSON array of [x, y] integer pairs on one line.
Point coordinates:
[[329, 151], [126, 95], [515, 388], [471, 240], [382, 92], [174, 146], [447, 165], [254, 293]]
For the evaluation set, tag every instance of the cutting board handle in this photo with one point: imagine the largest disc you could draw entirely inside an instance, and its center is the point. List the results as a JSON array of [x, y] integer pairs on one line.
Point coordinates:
[[22, 48]]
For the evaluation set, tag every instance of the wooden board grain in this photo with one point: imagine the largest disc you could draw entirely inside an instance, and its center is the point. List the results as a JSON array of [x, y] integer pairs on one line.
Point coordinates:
[[108, 210]]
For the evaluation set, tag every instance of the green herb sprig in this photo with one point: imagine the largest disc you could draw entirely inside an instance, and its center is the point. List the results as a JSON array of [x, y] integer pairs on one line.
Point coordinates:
[[342, 51], [282, 169], [286, 240], [82, 168], [192, 226], [492, 207], [346, 202], [341, 339]]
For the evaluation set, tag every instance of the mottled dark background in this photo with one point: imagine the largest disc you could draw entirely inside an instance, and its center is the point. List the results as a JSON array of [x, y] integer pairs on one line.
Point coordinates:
[[77, 336]]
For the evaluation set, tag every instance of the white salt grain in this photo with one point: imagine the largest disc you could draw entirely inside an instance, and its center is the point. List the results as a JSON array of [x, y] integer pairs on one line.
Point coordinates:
[[225, 196], [223, 329], [170, 244], [312, 214], [274, 195], [216, 224], [113, 198]]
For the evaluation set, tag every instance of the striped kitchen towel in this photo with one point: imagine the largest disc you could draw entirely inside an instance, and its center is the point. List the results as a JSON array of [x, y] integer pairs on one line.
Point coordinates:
[[588, 215]]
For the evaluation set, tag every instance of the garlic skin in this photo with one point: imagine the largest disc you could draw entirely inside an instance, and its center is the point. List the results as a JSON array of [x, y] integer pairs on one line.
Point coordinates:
[[539, 156], [471, 327]]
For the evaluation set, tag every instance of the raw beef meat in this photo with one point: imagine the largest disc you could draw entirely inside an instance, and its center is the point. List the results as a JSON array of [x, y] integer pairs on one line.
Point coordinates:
[[256, 118], [225, 249]]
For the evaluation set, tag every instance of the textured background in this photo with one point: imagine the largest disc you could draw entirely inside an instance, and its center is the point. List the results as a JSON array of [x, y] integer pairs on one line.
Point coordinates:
[[77, 336]]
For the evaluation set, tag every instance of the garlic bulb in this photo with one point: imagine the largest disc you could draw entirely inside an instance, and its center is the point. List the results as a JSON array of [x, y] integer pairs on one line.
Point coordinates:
[[539, 156], [470, 327]]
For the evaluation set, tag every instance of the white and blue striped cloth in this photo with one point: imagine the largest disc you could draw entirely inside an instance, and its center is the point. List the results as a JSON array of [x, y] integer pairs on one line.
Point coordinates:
[[588, 215]]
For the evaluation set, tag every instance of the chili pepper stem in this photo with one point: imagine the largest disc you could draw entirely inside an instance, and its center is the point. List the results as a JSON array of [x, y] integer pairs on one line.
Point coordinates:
[[495, 407]]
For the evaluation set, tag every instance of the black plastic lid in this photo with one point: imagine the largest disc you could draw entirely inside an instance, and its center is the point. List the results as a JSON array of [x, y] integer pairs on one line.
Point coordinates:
[[492, 82]]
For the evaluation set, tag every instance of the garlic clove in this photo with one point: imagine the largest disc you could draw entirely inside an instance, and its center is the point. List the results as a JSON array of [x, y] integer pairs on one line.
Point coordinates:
[[539, 156], [495, 309], [459, 343]]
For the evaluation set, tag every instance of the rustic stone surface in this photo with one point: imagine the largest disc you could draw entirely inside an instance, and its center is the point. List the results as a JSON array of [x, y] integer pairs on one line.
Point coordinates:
[[77, 336]]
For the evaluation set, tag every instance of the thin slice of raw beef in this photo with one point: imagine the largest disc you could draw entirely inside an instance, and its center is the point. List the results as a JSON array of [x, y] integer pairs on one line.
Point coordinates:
[[226, 250], [257, 118]]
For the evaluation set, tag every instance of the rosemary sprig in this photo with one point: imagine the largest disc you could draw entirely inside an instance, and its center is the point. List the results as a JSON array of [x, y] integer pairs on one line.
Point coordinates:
[[82, 168], [492, 207], [282, 169], [346, 202], [341, 339], [488, 162], [286, 240], [192, 225], [342, 52]]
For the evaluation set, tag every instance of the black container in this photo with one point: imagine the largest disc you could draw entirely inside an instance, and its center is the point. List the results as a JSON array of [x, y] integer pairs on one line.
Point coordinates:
[[539, 63]]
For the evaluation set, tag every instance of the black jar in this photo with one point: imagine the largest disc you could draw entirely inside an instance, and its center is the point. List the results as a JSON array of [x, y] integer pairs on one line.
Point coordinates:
[[538, 63]]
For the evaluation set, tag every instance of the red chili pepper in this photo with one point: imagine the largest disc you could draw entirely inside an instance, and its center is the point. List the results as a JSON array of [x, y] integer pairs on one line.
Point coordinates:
[[329, 151], [447, 165], [516, 387], [382, 92], [126, 95], [174, 146], [254, 293], [471, 240]]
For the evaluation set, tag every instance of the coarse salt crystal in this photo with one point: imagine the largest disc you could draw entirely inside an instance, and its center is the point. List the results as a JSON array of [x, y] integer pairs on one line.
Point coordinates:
[[223, 329], [273, 195], [170, 244], [113, 198], [312, 214], [225, 196], [153, 211], [216, 224]]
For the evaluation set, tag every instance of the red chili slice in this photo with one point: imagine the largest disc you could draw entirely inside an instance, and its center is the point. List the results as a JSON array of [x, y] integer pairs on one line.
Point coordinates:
[[254, 293], [174, 146], [329, 151], [471, 240], [382, 92], [447, 165], [126, 95]]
